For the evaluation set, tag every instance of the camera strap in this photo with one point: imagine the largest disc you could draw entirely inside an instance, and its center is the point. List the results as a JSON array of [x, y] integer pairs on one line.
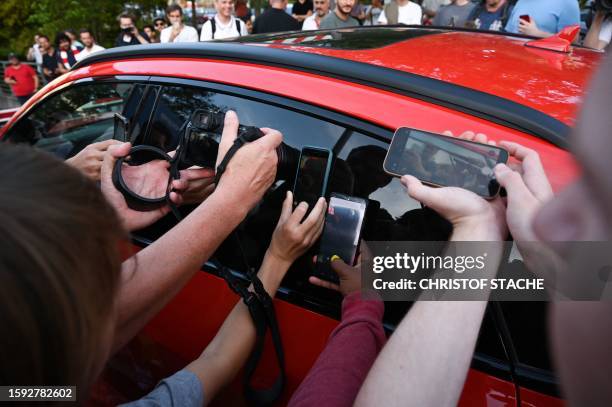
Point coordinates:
[[238, 142]]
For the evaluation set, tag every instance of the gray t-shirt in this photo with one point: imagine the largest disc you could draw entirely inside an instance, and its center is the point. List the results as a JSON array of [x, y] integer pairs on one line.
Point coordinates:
[[182, 389], [453, 15], [332, 21]]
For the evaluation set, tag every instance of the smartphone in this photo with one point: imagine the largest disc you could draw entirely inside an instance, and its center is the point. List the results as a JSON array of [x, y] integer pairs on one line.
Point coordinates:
[[445, 161], [526, 18], [341, 233], [120, 131], [312, 176]]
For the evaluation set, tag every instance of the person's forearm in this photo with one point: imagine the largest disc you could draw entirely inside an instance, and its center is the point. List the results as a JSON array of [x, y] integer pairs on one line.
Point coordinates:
[[431, 349], [592, 38], [141, 39], [36, 82], [155, 275], [228, 351]]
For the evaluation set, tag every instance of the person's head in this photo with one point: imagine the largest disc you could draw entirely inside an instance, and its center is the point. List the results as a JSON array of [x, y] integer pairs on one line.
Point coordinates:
[[13, 59], [581, 331], [62, 41], [159, 23], [60, 271], [126, 20], [43, 42], [87, 38], [279, 4], [224, 8], [344, 7], [493, 3], [71, 34], [36, 37], [149, 30], [321, 7], [248, 23], [376, 3], [174, 14], [366, 164]]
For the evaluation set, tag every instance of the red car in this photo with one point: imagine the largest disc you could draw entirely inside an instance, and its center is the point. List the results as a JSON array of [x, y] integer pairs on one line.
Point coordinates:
[[346, 90]]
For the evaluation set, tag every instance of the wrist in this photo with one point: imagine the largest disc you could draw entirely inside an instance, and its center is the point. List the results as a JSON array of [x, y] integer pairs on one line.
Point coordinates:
[[272, 272], [476, 229], [232, 206]]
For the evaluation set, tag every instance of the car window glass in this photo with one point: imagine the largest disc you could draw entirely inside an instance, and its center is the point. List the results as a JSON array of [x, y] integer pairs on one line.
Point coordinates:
[[67, 122]]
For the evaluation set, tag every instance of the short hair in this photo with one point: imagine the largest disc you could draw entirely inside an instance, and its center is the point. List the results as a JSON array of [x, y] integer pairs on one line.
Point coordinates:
[[174, 7], [127, 15], [70, 31], [163, 20], [61, 36], [149, 26], [85, 30], [43, 36]]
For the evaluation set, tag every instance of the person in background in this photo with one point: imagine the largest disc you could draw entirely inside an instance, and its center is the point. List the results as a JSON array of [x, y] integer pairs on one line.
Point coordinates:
[[600, 32], [65, 53], [359, 12], [491, 15], [223, 24], [73, 38], [151, 33], [159, 23], [177, 31], [275, 19], [35, 55], [49, 61], [430, 9], [546, 17], [341, 16], [455, 14], [22, 79], [321, 9], [129, 34], [89, 43], [373, 12], [248, 23], [401, 12], [302, 9], [241, 10]]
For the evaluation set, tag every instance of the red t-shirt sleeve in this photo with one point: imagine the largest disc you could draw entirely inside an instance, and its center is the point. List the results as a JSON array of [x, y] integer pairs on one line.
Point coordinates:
[[29, 70], [339, 372]]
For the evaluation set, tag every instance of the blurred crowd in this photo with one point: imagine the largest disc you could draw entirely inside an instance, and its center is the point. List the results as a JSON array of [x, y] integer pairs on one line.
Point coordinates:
[[233, 18]]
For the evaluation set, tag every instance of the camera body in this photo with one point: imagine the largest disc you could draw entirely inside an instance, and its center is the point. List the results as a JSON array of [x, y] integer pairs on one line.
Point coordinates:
[[203, 135]]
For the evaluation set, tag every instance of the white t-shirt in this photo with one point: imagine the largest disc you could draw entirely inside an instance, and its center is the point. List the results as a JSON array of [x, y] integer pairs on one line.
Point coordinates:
[[310, 23], [605, 34], [222, 30], [410, 13], [187, 34], [85, 52]]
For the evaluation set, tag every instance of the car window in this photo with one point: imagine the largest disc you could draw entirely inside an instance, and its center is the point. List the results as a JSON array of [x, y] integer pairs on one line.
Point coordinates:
[[66, 122]]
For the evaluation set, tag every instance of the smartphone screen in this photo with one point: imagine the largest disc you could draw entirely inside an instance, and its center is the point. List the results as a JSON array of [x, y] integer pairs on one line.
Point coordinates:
[[312, 175], [341, 233], [445, 161]]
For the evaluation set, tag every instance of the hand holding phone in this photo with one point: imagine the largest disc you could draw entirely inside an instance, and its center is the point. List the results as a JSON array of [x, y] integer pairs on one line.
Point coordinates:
[[526, 18], [444, 161]]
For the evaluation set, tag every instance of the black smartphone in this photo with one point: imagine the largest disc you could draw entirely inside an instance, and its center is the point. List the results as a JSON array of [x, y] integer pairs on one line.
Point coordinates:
[[312, 176], [120, 131], [444, 161], [341, 233]]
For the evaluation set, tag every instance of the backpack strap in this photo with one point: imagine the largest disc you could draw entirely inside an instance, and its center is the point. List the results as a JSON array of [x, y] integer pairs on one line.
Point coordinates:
[[238, 27], [213, 27]]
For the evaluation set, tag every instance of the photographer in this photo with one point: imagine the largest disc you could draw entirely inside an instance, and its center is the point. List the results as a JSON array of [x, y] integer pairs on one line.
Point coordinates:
[[600, 32], [129, 34]]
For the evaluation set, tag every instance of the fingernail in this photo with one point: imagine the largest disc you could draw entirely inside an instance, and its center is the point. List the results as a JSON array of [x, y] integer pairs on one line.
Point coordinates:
[[335, 257], [501, 168]]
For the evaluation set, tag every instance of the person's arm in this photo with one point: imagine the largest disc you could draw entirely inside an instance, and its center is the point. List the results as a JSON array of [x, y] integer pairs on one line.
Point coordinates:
[[8, 79], [142, 38], [230, 348], [154, 275], [382, 18], [36, 83], [592, 38], [432, 347]]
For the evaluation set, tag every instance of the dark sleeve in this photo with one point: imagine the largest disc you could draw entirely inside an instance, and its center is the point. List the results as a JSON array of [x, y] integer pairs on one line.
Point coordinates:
[[256, 25], [339, 372], [118, 41], [145, 36], [182, 389]]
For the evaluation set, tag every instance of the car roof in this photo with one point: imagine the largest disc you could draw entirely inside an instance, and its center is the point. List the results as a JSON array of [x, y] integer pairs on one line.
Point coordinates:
[[496, 63]]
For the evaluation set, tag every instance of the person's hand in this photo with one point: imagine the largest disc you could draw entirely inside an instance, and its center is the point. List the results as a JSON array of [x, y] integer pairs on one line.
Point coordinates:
[[530, 28], [150, 180], [252, 170], [527, 188], [294, 234], [196, 185], [349, 276], [473, 218], [89, 160]]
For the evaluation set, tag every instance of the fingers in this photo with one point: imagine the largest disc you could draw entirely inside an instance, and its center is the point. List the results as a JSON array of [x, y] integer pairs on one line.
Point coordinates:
[[230, 132], [416, 190], [272, 138], [322, 283], [104, 145], [119, 150], [191, 174], [298, 213], [316, 216], [112, 153], [340, 267], [286, 209], [514, 184], [533, 171]]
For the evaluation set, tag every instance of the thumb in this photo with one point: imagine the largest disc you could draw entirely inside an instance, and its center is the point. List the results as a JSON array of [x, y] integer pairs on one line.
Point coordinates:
[[428, 196], [340, 267], [230, 132], [513, 183], [110, 156]]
